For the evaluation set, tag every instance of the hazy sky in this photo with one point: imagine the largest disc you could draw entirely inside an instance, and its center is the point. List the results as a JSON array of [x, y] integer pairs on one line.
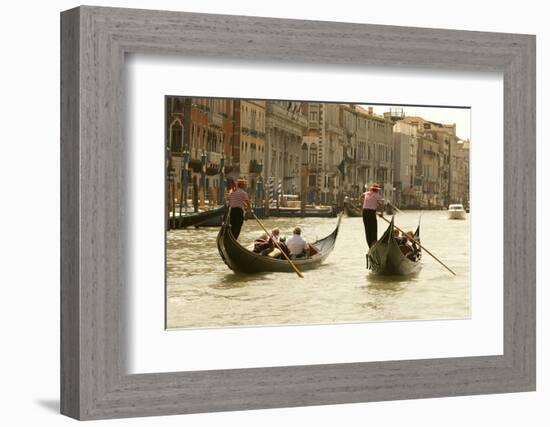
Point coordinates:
[[460, 116]]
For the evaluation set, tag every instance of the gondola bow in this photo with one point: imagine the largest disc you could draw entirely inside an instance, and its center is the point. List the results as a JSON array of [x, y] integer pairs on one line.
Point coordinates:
[[385, 257]]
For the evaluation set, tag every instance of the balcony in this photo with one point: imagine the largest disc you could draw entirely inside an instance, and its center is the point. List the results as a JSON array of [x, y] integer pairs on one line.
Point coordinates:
[[213, 157], [334, 129], [255, 167], [280, 111], [215, 119]]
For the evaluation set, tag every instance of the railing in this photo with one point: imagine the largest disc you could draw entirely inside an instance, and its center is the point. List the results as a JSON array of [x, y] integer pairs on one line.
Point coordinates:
[[213, 157], [298, 118]]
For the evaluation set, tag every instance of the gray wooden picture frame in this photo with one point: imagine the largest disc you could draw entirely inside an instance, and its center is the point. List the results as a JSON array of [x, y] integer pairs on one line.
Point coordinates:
[[94, 381]]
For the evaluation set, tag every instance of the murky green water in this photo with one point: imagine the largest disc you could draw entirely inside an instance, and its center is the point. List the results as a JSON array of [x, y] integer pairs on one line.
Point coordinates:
[[203, 292]]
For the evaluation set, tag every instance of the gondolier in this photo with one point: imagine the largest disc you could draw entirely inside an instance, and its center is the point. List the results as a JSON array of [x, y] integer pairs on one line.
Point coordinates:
[[239, 202], [372, 202]]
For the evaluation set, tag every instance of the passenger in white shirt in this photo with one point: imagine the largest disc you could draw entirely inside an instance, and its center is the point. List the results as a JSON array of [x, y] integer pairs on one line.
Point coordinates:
[[296, 244]]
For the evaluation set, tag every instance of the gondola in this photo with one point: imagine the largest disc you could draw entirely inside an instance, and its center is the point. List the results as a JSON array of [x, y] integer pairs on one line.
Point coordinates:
[[211, 217], [240, 259], [352, 211], [385, 257]]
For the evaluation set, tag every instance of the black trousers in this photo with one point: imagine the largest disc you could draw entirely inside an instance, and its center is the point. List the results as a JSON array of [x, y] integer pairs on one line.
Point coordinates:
[[371, 226], [236, 218]]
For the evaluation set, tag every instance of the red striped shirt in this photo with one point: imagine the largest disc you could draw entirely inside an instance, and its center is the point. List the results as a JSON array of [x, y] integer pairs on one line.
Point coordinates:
[[373, 200], [238, 199]]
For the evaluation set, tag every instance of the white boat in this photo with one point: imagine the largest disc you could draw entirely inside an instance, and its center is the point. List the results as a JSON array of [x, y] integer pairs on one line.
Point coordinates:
[[456, 211]]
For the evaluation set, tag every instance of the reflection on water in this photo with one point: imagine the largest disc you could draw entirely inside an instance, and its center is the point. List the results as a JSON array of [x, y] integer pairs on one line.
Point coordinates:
[[203, 292]]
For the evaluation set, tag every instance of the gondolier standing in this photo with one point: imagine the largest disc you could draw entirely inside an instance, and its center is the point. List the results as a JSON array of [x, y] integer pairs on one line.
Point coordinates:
[[372, 202], [238, 202]]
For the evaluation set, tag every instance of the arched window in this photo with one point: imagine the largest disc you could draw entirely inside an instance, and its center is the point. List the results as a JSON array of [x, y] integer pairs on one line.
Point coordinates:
[[313, 154], [304, 153], [176, 137]]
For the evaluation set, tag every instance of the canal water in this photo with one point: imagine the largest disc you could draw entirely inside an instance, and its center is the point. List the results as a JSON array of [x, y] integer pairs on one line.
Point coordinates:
[[203, 292]]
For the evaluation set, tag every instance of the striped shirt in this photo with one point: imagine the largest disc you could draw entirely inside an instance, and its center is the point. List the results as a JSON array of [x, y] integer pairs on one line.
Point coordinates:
[[238, 199], [373, 200]]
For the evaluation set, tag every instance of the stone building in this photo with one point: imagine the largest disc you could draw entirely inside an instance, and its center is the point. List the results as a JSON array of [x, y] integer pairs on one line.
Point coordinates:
[[460, 174], [451, 182], [313, 152], [285, 124], [200, 129], [333, 142], [407, 193], [380, 153], [249, 142], [318, 151], [429, 167]]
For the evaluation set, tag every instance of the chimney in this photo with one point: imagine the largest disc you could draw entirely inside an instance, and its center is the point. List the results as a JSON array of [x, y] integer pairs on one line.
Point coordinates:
[[370, 111]]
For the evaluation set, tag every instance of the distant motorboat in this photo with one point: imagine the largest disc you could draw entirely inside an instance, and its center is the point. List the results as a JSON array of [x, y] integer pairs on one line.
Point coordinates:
[[456, 211]]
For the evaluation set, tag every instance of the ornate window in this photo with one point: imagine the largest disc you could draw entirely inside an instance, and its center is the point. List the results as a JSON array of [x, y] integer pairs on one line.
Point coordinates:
[[304, 153], [313, 154], [176, 137]]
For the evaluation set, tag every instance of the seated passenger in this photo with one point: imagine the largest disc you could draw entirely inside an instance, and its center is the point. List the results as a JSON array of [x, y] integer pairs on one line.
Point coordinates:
[[399, 238], [284, 248], [297, 245], [262, 244], [413, 251], [275, 234]]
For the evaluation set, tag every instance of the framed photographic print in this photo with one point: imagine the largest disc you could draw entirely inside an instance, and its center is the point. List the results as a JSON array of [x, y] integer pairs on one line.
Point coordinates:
[[292, 213]]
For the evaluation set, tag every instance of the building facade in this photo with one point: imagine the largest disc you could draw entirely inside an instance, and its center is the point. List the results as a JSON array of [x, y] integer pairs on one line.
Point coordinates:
[[407, 192], [199, 135], [320, 152], [249, 143], [442, 163], [285, 126]]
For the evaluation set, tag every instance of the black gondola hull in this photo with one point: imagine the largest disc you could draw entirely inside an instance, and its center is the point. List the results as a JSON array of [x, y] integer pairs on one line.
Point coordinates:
[[240, 259], [212, 217], [386, 258]]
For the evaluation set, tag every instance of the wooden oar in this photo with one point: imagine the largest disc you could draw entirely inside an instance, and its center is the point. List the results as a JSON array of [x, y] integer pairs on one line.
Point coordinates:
[[298, 272], [418, 243]]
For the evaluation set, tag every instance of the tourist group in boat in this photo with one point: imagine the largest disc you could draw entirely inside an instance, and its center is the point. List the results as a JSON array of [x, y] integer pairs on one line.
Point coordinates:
[[396, 252]]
